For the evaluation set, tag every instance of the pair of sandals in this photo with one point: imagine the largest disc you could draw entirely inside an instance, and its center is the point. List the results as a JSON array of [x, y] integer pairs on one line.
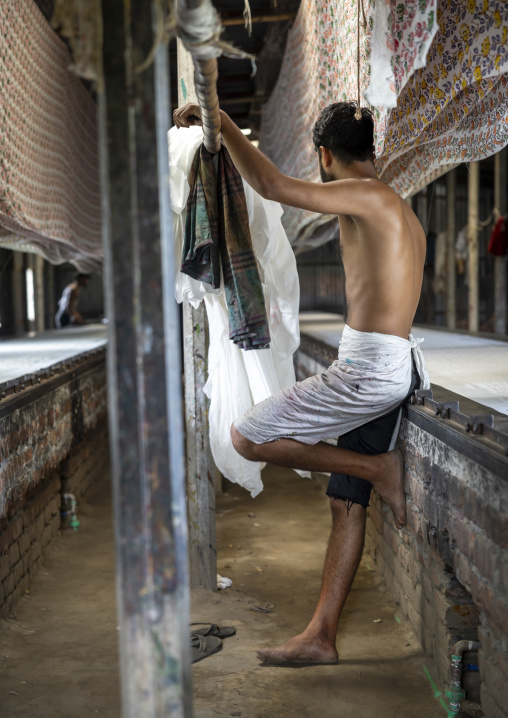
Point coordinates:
[[208, 640]]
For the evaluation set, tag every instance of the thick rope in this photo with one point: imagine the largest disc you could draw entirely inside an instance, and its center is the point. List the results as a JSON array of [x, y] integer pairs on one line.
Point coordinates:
[[247, 16], [199, 29]]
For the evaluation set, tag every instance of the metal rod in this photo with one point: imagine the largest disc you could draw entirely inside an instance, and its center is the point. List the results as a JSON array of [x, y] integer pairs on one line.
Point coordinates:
[[472, 239], [501, 203]]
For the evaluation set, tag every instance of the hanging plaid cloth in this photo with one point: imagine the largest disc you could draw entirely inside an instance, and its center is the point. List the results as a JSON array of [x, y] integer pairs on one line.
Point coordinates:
[[217, 223]]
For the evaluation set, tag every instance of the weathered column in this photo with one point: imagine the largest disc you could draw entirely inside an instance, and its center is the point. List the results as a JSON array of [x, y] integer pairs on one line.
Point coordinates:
[[49, 295], [201, 471], [144, 371], [472, 240], [40, 323], [18, 292], [451, 274], [501, 202]]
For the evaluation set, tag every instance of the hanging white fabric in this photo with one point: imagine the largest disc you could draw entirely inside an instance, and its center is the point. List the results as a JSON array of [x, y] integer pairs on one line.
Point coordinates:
[[236, 379]]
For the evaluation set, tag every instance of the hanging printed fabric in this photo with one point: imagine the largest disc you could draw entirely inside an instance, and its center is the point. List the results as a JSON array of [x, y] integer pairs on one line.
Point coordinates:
[[437, 68], [50, 199]]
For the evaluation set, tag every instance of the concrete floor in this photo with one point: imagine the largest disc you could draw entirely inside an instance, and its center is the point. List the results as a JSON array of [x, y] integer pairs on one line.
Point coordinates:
[[58, 654], [472, 366], [31, 352]]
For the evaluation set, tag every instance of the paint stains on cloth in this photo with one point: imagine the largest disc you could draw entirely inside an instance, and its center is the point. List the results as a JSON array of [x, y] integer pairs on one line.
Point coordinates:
[[370, 378]]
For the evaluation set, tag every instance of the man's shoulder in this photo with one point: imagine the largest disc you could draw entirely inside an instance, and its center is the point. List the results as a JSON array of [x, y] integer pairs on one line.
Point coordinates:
[[371, 189]]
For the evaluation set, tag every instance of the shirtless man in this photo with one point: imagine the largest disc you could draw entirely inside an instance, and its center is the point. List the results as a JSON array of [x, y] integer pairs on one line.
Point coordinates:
[[358, 398]]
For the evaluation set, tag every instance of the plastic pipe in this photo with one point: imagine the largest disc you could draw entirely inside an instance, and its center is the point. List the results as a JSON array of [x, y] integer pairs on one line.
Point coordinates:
[[455, 692]]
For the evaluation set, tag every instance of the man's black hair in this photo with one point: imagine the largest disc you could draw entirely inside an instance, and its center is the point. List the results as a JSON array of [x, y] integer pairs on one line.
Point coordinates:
[[82, 276], [347, 138]]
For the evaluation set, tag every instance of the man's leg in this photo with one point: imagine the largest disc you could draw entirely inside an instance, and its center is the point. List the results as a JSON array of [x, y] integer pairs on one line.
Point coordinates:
[[317, 643], [384, 471]]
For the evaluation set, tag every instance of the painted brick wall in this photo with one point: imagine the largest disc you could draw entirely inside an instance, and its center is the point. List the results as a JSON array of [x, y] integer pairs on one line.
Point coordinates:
[[448, 568], [53, 439]]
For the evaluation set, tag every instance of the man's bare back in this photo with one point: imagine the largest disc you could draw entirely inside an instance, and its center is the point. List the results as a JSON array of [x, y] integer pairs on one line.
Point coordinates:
[[383, 254]]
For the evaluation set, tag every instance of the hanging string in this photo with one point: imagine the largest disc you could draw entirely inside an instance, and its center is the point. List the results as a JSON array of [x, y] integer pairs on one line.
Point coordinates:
[[358, 113], [493, 217]]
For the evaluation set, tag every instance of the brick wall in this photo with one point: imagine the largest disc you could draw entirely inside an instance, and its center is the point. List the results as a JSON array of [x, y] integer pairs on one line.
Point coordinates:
[[448, 568], [54, 440]]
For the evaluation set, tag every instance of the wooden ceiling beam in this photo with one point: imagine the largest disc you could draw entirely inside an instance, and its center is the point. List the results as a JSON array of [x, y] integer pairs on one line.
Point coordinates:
[[240, 20]]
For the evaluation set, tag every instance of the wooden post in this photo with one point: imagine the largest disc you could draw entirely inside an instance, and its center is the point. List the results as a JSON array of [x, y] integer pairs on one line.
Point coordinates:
[[18, 292], [501, 202], [144, 371], [201, 471], [40, 323], [451, 275], [49, 295], [472, 240]]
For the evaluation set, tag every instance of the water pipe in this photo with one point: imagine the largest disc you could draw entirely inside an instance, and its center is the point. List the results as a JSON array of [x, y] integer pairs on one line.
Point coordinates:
[[455, 692], [73, 522]]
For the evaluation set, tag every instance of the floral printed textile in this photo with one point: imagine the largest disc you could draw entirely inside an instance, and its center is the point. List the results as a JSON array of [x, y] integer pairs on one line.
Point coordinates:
[[49, 170], [401, 38], [454, 109]]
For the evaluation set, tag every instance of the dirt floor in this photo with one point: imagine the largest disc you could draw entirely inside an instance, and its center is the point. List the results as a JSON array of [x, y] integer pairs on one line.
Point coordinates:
[[58, 653]]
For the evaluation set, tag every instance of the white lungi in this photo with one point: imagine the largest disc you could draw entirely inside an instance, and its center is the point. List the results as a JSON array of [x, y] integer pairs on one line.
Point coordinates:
[[370, 378]]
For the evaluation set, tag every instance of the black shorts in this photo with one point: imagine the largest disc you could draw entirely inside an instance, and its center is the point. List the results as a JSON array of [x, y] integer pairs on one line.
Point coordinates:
[[371, 438], [62, 319]]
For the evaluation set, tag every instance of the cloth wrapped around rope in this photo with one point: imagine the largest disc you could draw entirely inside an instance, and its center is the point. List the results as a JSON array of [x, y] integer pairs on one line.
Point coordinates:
[[217, 225]]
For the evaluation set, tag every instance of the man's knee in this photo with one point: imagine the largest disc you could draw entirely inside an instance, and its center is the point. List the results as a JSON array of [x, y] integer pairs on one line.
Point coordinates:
[[242, 445]]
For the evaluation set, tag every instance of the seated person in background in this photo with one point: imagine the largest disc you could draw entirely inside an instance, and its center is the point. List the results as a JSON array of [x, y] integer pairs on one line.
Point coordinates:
[[67, 312]]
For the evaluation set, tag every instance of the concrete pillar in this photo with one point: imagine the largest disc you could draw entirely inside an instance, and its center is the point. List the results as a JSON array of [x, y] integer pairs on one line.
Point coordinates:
[[473, 194], [451, 275], [144, 369], [501, 203], [18, 292], [40, 323], [201, 471]]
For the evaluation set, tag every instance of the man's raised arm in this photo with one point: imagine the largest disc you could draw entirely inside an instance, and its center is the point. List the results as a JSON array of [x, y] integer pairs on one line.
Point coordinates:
[[337, 197]]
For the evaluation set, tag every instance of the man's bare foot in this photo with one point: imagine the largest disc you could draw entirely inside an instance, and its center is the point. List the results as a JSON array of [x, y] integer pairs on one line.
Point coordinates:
[[300, 649], [391, 485]]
